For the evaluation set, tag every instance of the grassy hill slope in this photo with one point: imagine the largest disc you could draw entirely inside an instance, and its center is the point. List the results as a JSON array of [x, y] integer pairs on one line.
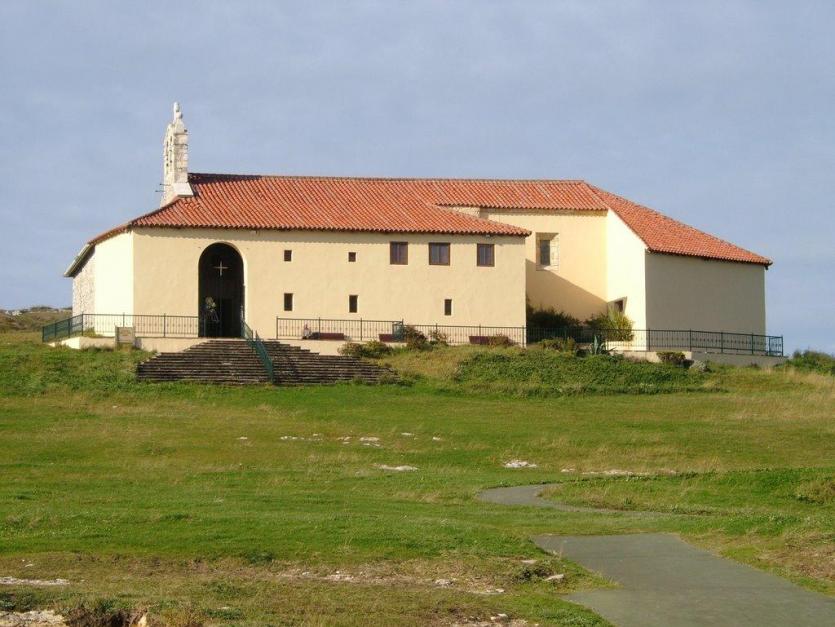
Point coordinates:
[[254, 506], [32, 319]]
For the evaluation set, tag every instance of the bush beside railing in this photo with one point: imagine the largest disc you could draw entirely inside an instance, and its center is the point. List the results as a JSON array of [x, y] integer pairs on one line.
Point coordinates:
[[619, 340]]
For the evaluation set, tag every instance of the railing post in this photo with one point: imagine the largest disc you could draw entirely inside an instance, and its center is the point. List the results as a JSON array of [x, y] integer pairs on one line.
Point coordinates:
[[721, 341], [691, 340], [164, 324], [361, 336], [752, 343]]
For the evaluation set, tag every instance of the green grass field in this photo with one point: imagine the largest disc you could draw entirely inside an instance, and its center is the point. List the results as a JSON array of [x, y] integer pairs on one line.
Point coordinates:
[[257, 506]]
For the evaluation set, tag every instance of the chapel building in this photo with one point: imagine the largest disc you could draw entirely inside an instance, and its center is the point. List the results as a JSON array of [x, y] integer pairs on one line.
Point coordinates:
[[256, 248]]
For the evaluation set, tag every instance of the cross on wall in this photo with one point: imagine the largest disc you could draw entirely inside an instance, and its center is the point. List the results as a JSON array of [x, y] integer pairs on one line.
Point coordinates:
[[220, 268]]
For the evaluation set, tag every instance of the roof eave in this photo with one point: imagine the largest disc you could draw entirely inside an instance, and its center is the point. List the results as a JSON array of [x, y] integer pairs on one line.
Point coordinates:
[[79, 260], [765, 262], [519, 232]]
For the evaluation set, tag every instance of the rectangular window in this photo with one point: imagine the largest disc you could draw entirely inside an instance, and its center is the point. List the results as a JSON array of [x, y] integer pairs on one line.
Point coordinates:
[[439, 254], [548, 251], [447, 306], [288, 255], [352, 257], [352, 303], [288, 302], [619, 305], [485, 255], [399, 253], [544, 252]]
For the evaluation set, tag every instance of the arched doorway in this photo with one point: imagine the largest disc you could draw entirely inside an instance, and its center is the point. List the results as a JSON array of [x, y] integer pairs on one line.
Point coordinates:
[[221, 291]]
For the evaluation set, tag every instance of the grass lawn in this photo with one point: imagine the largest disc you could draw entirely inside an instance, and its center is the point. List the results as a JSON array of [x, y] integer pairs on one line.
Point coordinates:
[[209, 505]]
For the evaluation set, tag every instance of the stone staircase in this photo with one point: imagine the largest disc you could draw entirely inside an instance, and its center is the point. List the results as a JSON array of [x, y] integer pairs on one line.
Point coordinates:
[[233, 362]]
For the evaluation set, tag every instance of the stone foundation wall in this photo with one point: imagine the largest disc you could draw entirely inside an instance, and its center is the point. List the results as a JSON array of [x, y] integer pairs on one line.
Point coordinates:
[[84, 289]]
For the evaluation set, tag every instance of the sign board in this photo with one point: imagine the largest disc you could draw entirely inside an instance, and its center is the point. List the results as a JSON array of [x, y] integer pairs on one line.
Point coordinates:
[[125, 335]]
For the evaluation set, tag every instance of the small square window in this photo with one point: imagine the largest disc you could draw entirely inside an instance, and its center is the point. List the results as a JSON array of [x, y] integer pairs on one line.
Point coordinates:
[[352, 257], [485, 255], [399, 253], [288, 302], [439, 254], [288, 255], [352, 303], [447, 306]]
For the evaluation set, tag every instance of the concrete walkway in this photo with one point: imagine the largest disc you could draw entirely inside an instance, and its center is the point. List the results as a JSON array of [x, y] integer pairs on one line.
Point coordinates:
[[669, 583]]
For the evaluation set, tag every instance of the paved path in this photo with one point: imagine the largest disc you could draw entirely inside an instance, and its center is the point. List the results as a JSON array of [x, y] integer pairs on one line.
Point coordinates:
[[669, 583]]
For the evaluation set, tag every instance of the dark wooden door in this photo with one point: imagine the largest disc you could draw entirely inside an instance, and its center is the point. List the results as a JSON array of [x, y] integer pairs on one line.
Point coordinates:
[[221, 293]]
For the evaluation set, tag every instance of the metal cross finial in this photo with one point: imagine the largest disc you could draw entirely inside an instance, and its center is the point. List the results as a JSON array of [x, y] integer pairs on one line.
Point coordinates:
[[220, 268]]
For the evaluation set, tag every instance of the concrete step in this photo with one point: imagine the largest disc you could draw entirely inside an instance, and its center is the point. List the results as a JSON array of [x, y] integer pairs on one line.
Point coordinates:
[[234, 361]]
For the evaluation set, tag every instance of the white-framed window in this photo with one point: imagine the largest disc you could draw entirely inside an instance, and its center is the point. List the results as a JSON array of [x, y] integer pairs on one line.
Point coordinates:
[[548, 250]]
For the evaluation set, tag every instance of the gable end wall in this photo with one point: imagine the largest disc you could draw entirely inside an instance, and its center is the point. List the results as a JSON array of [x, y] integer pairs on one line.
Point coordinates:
[[705, 294]]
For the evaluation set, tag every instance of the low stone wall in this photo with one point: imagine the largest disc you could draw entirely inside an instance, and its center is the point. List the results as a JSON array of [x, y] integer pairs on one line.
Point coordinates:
[[82, 342], [763, 361]]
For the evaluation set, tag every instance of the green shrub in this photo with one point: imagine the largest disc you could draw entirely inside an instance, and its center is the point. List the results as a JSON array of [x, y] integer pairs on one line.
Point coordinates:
[[415, 340], [813, 361], [820, 491], [673, 358], [616, 323], [561, 344], [351, 349], [438, 338], [500, 341], [550, 372], [371, 349], [549, 318], [597, 346]]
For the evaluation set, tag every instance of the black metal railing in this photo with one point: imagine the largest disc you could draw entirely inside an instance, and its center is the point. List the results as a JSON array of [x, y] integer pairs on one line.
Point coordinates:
[[360, 330], [104, 325], [619, 340], [256, 344], [330, 328]]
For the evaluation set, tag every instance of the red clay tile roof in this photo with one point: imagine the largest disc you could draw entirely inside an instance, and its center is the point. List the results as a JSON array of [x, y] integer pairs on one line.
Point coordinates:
[[412, 206], [665, 235], [322, 204]]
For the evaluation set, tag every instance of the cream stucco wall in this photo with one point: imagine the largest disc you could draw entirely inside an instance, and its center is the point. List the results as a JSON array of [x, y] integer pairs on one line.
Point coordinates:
[[578, 285], [321, 278], [625, 270], [114, 275], [704, 294], [154, 271]]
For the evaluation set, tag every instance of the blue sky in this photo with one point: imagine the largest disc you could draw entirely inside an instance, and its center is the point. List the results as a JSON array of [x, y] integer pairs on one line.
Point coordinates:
[[719, 114]]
